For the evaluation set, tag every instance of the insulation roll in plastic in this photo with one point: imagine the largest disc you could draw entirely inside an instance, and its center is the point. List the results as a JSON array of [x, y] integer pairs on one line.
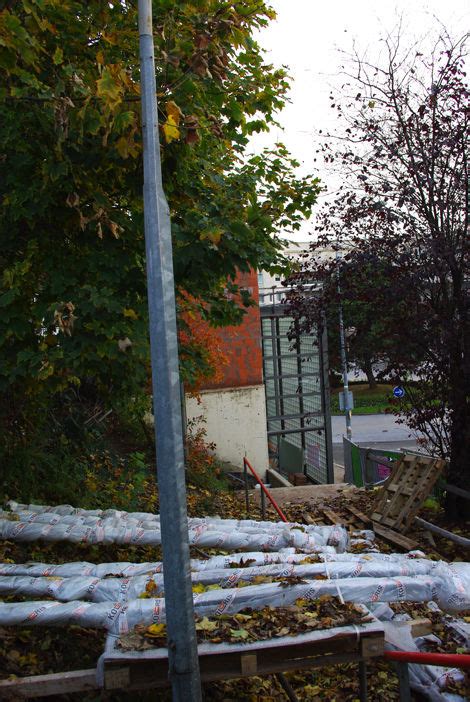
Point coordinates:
[[253, 558], [202, 536], [70, 515], [120, 616], [123, 589]]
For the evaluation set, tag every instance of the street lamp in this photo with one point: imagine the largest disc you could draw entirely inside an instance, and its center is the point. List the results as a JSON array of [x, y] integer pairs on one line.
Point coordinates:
[[347, 396]]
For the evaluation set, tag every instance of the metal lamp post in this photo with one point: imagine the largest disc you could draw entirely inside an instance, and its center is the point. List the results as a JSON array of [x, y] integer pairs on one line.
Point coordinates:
[[182, 645], [344, 362]]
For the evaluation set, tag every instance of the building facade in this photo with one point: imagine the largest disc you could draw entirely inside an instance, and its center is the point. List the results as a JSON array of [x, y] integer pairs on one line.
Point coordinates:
[[233, 410]]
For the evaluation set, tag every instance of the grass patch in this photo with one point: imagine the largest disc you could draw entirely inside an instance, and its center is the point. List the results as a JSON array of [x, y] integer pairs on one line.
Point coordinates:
[[366, 400]]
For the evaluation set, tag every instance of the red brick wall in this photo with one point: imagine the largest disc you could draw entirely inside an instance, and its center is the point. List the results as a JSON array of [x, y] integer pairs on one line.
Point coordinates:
[[242, 344]]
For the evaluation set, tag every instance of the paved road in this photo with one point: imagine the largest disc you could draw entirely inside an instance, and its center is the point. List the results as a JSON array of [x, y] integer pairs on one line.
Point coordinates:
[[370, 427], [373, 430]]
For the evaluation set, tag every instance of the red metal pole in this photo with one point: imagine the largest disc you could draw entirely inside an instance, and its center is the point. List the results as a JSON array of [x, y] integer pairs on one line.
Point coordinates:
[[454, 660], [265, 490]]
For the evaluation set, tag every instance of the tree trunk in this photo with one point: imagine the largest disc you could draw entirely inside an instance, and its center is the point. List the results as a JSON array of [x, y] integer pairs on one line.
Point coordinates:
[[369, 371], [458, 508]]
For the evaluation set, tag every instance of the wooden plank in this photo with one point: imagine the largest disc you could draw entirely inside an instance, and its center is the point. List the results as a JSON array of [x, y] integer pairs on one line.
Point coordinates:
[[119, 678], [153, 671], [149, 677], [417, 627], [333, 517], [248, 664], [52, 684], [359, 515], [395, 538], [372, 646]]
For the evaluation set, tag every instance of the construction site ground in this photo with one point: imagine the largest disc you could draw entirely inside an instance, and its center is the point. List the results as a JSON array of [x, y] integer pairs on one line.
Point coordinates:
[[33, 651]]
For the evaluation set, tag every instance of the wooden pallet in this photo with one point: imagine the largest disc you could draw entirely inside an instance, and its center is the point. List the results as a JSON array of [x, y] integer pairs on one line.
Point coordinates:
[[393, 537], [149, 669], [48, 685], [405, 490], [360, 520]]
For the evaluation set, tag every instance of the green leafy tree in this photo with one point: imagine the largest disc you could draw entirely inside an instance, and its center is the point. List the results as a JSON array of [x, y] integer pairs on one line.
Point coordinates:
[[72, 270]]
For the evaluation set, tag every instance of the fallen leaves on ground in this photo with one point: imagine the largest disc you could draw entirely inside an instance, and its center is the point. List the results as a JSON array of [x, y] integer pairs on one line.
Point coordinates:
[[257, 625], [31, 651]]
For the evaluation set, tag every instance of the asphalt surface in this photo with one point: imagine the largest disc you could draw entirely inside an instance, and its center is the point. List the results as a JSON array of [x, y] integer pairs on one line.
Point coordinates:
[[379, 431]]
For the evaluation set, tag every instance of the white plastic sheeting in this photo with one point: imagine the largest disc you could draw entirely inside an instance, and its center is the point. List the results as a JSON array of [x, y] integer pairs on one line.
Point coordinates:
[[67, 514], [122, 589], [203, 536], [107, 595], [120, 616], [254, 558], [429, 680], [288, 555]]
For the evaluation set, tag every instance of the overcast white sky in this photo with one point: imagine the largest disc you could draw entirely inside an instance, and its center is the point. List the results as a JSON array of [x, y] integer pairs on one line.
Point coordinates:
[[308, 36]]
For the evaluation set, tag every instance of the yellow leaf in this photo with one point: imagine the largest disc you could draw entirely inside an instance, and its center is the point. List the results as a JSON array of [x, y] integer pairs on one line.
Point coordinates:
[[258, 579], [311, 690], [100, 58], [206, 625], [128, 312], [110, 38], [170, 130], [172, 110], [239, 633], [301, 602], [199, 588], [114, 228], [123, 345], [214, 234], [156, 630], [242, 617]]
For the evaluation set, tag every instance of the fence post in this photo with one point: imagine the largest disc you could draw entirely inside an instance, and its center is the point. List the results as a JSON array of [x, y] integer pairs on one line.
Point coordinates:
[[247, 497], [404, 681], [263, 504]]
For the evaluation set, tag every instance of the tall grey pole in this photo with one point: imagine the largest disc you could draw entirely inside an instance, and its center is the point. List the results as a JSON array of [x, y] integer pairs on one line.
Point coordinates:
[[344, 362], [182, 645]]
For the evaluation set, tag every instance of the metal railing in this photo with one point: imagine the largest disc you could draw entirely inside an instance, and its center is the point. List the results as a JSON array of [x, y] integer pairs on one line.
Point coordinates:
[[264, 492], [401, 659], [276, 294]]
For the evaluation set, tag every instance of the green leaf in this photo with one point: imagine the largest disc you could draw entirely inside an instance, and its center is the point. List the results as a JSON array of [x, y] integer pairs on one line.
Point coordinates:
[[8, 297], [239, 633], [58, 56]]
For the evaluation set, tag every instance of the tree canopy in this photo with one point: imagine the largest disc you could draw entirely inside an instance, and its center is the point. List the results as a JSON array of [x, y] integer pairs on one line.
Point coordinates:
[[72, 282], [71, 219], [402, 213]]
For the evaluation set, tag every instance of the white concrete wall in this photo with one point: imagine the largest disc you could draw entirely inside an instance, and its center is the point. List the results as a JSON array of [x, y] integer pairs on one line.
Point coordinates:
[[236, 423]]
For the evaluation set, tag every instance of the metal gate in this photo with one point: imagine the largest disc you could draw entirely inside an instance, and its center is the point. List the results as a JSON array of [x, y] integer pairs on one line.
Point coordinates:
[[297, 397]]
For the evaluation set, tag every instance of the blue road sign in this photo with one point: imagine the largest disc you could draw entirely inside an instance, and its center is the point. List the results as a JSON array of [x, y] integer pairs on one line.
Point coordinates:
[[399, 391]]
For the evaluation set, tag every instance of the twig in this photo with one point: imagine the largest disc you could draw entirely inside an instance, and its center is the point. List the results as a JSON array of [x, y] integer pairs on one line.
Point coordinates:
[[287, 687]]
